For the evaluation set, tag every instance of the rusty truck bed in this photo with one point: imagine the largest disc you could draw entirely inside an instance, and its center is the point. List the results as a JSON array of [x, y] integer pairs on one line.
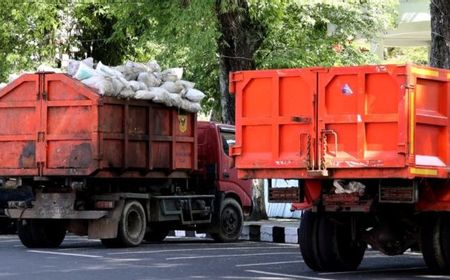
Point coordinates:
[[342, 122], [53, 125]]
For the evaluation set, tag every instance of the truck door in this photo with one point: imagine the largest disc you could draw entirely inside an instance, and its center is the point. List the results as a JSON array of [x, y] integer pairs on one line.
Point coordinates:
[[228, 179], [20, 110], [360, 122], [276, 122]]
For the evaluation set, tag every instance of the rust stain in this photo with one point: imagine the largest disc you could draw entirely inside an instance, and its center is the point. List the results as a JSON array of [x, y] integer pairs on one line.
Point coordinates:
[[81, 156], [27, 158]]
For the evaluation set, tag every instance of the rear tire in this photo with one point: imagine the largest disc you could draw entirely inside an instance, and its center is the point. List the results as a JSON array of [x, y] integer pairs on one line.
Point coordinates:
[[307, 237], [231, 221], [435, 243], [24, 230], [41, 233], [337, 250], [328, 246], [132, 226]]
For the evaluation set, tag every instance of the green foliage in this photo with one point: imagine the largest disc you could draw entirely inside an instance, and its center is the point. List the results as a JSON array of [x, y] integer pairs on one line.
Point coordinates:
[[323, 33], [28, 34], [95, 23], [416, 55]]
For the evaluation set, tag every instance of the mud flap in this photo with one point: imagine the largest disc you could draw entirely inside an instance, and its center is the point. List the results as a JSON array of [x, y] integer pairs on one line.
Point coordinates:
[[106, 227]]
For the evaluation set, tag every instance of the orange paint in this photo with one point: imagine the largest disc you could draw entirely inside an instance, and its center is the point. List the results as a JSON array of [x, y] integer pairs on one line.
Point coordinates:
[[385, 119]]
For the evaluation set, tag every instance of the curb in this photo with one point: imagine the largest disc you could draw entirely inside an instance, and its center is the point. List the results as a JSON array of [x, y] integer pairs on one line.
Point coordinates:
[[253, 232], [270, 233]]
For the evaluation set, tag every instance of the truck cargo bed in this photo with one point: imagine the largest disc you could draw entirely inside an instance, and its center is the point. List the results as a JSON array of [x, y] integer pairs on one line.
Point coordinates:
[[385, 121], [53, 125]]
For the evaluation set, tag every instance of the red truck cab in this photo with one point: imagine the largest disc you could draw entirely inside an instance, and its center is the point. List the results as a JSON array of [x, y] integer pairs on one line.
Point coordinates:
[[214, 141]]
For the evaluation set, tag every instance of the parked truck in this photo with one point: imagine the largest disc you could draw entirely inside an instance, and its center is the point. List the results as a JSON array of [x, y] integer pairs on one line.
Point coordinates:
[[122, 171], [370, 146]]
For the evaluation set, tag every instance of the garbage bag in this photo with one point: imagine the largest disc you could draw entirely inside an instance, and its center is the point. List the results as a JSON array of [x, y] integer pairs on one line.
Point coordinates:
[[194, 95], [172, 74], [149, 79], [144, 94], [172, 87], [84, 72], [104, 85]]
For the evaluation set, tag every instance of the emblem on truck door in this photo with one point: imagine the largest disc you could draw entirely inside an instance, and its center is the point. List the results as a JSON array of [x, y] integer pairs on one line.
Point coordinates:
[[182, 123]]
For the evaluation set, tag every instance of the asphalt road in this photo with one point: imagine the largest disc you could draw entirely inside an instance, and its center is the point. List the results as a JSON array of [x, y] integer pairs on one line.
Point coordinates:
[[176, 258]]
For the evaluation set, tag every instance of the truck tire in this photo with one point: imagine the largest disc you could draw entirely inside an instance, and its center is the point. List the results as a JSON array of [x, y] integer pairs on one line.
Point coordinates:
[[41, 233], [337, 250], [132, 226], [435, 244], [230, 223], [156, 234], [24, 231], [307, 238]]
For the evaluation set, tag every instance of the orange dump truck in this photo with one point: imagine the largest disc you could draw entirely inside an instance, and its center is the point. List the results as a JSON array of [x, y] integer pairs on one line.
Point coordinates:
[[370, 147], [119, 170]]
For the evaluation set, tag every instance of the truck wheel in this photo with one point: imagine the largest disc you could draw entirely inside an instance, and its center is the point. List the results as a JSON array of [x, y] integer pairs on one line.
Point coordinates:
[[435, 244], [337, 250], [132, 226], [24, 231], [41, 233], [156, 234], [307, 237], [230, 222]]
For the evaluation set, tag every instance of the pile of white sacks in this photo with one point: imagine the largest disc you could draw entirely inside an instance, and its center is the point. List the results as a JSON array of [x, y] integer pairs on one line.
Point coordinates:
[[134, 80], [139, 81]]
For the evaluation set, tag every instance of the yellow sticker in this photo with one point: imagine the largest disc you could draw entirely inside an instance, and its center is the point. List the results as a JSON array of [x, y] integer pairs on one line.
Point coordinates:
[[423, 171], [182, 121], [424, 72]]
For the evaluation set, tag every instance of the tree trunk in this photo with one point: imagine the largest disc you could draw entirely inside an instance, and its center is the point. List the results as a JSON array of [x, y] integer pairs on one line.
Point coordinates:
[[259, 204], [440, 33], [240, 37]]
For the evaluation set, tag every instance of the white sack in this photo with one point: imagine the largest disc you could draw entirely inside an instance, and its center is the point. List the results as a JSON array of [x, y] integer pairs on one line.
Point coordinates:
[[89, 62], [185, 84], [47, 68], [175, 100], [153, 66], [127, 73], [149, 79], [72, 68], [144, 94], [14, 76], [103, 85], [126, 93], [194, 95], [192, 107], [136, 66], [135, 85], [84, 72], [161, 95], [107, 71], [130, 70], [172, 87], [172, 74], [118, 86]]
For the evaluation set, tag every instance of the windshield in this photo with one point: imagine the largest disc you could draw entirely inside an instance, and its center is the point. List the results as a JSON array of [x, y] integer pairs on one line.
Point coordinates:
[[227, 140]]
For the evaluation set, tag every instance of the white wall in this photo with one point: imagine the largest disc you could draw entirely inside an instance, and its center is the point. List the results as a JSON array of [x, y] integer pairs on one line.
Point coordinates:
[[280, 210]]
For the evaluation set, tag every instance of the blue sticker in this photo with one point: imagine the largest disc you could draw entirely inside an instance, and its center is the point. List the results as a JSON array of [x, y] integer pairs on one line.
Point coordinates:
[[347, 90]]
